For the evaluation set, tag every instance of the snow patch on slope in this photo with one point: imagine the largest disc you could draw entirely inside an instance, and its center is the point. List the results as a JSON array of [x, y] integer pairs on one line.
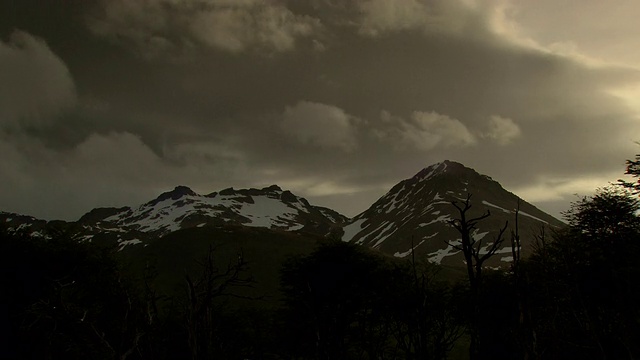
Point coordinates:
[[408, 252], [267, 212], [352, 230], [437, 256], [441, 218], [164, 215]]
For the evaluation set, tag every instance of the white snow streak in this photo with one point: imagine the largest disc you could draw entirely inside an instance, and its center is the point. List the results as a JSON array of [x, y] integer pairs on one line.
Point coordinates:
[[125, 243], [495, 206], [408, 252], [533, 217], [381, 239]]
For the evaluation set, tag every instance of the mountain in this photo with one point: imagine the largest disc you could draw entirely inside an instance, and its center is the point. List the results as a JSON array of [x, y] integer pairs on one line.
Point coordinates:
[[417, 211], [23, 224], [182, 208]]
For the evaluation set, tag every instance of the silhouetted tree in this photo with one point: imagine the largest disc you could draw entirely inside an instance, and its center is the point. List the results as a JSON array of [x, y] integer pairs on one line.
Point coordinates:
[[525, 335], [201, 314], [326, 294], [474, 258], [65, 299], [633, 169], [584, 281], [426, 322]]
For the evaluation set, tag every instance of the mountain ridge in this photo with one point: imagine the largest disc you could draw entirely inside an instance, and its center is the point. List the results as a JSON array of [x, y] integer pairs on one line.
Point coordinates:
[[269, 207], [412, 216]]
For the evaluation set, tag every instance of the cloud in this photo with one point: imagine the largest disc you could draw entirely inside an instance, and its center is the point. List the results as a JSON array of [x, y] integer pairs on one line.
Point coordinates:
[[550, 188], [321, 125], [380, 15], [502, 130], [116, 156], [599, 33], [155, 27], [555, 193], [424, 131], [439, 16], [35, 83], [220, 120], [253, 24], [103, 170], [113, 169]]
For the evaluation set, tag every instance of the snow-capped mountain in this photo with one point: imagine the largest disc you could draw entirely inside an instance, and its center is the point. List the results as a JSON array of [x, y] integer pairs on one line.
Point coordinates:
[[182, 208], [417, 210]]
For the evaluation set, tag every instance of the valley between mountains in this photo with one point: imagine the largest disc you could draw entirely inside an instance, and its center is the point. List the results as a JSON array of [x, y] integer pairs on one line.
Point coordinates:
[[414, 214]]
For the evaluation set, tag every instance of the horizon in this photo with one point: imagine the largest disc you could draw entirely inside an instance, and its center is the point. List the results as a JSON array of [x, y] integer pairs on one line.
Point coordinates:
[[182, 188]]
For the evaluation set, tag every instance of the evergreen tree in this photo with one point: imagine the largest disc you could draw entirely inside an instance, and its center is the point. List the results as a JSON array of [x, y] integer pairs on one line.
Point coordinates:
[[585, 281]]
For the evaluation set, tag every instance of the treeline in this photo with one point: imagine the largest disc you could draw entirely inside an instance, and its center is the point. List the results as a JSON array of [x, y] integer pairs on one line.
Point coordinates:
[[63, 299], [575, 297]]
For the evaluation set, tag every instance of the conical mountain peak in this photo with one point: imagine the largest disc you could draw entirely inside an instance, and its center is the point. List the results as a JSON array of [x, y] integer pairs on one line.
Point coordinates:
[[416, 214], [443, 167]]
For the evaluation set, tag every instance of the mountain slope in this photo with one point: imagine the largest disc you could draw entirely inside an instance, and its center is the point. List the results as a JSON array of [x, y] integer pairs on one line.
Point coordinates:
[[417, 210]]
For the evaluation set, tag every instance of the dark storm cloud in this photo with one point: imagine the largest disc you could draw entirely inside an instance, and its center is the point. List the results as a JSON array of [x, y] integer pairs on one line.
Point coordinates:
[[158, 27], [337, 101], [36, 84]]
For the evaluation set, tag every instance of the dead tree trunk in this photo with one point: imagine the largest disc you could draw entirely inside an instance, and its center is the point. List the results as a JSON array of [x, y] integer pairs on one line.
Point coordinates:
[[200, 308], [474, 259]]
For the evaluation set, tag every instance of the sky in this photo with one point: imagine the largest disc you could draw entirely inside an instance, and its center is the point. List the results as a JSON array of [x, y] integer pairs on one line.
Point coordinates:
[[111, 102]]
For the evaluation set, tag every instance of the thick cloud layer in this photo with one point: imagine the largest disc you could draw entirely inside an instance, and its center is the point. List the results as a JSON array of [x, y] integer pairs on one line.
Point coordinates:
[[108, 103], [36, 84], [235, 26]]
